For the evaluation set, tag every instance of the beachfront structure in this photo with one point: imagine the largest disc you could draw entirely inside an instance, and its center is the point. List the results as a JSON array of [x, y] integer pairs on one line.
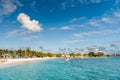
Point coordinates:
[[5, 56], [66, 55]]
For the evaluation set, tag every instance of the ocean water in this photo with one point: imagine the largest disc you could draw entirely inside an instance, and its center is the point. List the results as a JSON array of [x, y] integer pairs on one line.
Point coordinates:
[[57, 69]]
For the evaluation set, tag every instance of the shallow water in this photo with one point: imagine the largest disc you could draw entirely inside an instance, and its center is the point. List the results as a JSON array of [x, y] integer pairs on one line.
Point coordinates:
[[57, 69]]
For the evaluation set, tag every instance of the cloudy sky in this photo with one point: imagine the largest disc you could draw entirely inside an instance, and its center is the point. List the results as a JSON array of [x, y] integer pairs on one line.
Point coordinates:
[[57, 24]]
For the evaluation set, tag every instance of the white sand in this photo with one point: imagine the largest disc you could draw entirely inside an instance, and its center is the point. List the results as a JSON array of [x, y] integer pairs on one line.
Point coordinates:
[[14, 62]]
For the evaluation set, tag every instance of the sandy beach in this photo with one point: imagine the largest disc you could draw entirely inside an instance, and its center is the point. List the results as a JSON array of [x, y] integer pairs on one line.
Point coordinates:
[[14, 62]]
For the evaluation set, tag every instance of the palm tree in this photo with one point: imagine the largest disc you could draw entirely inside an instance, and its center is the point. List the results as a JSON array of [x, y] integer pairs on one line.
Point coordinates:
[[28, 52]]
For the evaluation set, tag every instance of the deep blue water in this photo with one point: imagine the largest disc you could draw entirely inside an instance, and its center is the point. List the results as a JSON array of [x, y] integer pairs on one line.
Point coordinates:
[[57, 69]]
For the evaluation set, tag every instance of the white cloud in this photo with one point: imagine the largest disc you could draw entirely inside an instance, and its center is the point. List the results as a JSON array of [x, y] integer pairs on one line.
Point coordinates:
[[93, 23], [8, 6], [77, 19], [107, 20], [115, 46], [72, 3], [74, 20], [31, 25], [89, 1], [117, 14], [95, 1], [73, 41], [66, 28], [93, 33], [30, 38], [16, 33], [21, 33]]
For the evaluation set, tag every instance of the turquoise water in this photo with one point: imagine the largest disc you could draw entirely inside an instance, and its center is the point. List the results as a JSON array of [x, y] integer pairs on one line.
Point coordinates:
[[57, 69]]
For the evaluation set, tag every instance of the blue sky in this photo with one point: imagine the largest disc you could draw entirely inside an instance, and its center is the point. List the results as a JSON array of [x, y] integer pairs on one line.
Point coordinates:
[[57, 24]]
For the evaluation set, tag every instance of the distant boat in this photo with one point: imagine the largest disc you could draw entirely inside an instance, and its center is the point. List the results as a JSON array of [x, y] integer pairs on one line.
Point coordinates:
[[66, 59]]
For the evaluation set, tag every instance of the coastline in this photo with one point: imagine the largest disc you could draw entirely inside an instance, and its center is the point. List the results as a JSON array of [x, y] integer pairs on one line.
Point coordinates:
[[15, 62], [20, 61]]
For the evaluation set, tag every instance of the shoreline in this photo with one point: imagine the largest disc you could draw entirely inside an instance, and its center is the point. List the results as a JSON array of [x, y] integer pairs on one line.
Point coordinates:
[[20, 61], [15, 62]]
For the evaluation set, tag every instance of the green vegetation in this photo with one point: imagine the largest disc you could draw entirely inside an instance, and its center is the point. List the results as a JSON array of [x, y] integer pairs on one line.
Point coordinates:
[[93, 54], [72, 55], [58, 55], [78, 55], [26, 53]]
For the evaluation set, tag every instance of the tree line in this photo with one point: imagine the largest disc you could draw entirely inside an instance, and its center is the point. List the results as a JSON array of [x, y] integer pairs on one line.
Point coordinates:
[[28, 53]]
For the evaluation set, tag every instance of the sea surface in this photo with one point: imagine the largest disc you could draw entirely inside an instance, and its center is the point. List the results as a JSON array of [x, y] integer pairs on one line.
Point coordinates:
[[73, 69]]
